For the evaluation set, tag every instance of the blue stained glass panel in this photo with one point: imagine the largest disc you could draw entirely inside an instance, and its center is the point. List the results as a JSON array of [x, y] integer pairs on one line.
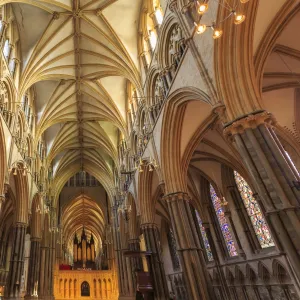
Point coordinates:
[[204, 238], [223, 222]]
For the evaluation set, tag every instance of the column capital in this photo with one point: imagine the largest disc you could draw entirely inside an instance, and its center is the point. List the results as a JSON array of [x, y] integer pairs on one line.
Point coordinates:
[[177, 196], [148, 226], [251, 120], [134, 241], [20, 225], [35, 239]]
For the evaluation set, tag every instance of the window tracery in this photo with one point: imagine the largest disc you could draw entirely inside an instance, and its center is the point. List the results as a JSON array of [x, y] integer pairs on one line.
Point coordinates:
[[254, 212], [176, 46], [217, 204], [204, 238]]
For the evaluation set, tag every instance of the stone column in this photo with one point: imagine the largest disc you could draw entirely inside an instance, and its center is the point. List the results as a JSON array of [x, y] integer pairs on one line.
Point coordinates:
[[34, 265], [152, 239], [274, 177], [119, 256], [12, 289], [43, 270], [52, 254], [188, 246], [2, 199]]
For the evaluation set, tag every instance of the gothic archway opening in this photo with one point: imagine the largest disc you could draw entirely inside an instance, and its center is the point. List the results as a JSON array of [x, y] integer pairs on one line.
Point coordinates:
[[85, 289]]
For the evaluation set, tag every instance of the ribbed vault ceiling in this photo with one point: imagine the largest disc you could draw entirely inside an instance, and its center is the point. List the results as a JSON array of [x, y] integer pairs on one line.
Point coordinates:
[[78, 56]]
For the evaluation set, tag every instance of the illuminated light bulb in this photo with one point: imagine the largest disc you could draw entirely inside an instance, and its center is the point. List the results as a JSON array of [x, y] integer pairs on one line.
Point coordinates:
[[15, 171], [150, 168], [202, 8], [200, 28], [217, 33], [141, 169], [239, 18], [141, 162], [244, 1]]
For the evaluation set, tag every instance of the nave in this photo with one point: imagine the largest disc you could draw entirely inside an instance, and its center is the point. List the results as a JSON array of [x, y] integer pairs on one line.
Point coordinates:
[[149, 149]]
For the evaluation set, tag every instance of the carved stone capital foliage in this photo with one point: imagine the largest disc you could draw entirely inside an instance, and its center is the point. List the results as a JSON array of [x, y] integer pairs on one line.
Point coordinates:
[[250, 121], [177, 197]]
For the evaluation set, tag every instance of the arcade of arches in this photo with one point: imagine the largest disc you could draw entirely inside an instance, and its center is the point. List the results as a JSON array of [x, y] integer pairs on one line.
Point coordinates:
[[149, 149]]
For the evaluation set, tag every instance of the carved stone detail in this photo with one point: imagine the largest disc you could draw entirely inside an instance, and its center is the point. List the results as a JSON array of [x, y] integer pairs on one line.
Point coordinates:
[[250, 121]]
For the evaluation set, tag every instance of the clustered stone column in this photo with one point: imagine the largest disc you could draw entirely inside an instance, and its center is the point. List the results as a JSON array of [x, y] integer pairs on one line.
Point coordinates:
[[43, 278], [121, 261], [12, 289], [33, 268], [152, 239], [136, 262], [188, 246], [274, 177]]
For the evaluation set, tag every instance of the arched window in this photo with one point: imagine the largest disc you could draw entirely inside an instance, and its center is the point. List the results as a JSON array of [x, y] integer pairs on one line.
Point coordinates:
[[258, 221], [6, 49], [152, 39], [176, 46], [222, 222], [204, 238]]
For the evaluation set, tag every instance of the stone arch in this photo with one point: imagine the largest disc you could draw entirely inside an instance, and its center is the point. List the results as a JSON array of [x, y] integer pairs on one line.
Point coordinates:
[[280, 273], [284, 16], [229, 65], [229, 277], [19, 179], [174, 129], [239, 276], [164, 52], [36, 219], [147, 207], [250, 274], [264, 273]]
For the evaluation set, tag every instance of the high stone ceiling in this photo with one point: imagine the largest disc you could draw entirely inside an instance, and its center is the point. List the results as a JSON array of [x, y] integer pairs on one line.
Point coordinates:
[[78, 56]]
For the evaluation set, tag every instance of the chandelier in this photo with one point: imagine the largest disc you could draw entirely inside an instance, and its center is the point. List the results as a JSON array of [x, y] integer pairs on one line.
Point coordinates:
[[141, 164], [19, 166], [233, 12]]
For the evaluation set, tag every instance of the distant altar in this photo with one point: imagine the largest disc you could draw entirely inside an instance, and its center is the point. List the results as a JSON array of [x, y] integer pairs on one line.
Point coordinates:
[[99, 285]]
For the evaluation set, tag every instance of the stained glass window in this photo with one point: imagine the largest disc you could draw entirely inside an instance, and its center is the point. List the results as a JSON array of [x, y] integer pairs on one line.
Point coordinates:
[[223, 222], [258, 221], [204, 238]]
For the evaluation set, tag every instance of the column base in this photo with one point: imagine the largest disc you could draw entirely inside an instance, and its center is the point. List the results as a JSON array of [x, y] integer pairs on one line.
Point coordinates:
[[28, 297]]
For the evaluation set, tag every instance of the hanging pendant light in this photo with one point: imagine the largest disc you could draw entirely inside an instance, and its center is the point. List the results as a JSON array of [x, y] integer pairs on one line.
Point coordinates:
[[200, 28], [217, 33], [202, 8], [238, 18]]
